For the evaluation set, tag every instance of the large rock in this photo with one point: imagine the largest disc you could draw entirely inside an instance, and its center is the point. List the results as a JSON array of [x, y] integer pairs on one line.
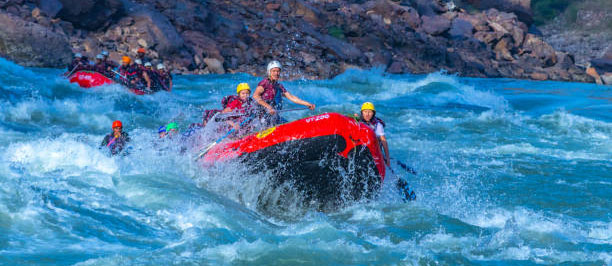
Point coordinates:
[[435, 25], [50, 7], [522, 8], [201, 44], [91, 14], [156, 30], [30, 44], [542, 51], [461, 29]]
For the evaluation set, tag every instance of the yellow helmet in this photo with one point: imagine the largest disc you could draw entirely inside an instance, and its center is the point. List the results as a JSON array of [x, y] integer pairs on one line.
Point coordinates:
[[367, 106], [242, 86]]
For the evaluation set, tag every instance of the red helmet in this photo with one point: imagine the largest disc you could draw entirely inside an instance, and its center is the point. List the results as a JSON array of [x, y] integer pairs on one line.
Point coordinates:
[[117, 123]]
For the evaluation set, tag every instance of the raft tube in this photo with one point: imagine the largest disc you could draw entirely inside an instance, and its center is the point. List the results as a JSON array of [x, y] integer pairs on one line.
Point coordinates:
[[88, 79], [331, 158]]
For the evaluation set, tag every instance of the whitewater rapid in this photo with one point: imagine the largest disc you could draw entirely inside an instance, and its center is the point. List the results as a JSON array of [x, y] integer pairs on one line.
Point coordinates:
[[509, 171]]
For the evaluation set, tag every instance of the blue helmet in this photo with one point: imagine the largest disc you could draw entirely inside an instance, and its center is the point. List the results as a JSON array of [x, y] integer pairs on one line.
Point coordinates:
[[161, 129]]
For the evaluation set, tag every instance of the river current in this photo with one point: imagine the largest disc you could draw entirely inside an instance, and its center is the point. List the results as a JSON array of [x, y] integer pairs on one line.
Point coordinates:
[[509, 172]]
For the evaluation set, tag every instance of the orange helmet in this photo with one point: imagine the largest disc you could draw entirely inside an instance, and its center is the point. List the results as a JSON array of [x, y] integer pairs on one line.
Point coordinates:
[[117, 123], [126, 59], [142, 50]]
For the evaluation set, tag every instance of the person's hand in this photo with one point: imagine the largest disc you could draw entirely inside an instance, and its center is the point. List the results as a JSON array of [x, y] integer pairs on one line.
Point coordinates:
[[311, 106], [387, 162], [271, 111]]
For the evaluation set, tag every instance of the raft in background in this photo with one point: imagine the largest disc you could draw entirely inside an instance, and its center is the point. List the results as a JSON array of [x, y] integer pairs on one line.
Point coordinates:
[[89, 79], [330, 158]]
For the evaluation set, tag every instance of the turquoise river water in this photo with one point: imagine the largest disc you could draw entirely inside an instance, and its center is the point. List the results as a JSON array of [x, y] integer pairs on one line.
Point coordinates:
[[509, 172]]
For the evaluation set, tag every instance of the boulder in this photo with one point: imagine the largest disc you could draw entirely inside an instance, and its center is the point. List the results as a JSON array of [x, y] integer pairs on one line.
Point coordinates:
[[602, 64], [606, 78], [157, 32], [30, 44], [537, 48], [91, 14], [308, 12], [50, 7], [522, 8], [435, 25], [461, 29], [501, 50], [538, 76], [214, 65], [396, 67]]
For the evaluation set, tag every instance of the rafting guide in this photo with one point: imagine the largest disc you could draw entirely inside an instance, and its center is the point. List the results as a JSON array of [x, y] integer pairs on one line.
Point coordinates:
[[269, 95]]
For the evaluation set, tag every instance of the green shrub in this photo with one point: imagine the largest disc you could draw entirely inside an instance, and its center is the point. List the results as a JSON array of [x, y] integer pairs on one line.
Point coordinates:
[[336, 32], [546, 10]]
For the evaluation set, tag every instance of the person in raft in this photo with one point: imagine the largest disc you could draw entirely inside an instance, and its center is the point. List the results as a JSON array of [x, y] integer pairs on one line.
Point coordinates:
[[240, 104], [368, 117], [269, 92], [116, 140]]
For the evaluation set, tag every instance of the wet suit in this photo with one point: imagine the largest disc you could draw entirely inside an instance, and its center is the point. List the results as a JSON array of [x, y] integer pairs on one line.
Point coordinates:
[[115, 145]]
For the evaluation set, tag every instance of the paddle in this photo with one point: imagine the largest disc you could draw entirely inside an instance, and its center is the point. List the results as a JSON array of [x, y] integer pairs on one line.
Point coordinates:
[[75, 67], [122, 76], [210, 146], [405, 167], [402, 184], [228, 115]]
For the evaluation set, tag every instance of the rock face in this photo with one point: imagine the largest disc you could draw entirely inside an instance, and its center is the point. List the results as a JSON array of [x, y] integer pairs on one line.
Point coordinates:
[[317, 39], [32, 44], [522, 8], [89, 14]]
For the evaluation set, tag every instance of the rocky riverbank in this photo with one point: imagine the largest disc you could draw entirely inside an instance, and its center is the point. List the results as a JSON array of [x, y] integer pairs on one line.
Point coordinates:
[[313, 38]]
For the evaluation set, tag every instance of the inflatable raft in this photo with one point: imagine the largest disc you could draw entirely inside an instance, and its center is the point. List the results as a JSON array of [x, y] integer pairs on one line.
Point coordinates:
[[331, 158], [88, 79]]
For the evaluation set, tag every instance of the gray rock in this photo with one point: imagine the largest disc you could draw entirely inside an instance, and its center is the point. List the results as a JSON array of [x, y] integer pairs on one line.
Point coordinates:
[[50, 7], [214, 65], [157, 31], [606, 78], [461, 29], [91, 14], [522, 8], [30, 44], [435, 25]]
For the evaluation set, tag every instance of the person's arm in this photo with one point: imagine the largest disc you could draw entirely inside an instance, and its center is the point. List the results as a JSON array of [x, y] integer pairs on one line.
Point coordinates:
[[226, 110], [383, 140], [257, 97], [170, 86], [145, 75], [297, 100], [104, 141]]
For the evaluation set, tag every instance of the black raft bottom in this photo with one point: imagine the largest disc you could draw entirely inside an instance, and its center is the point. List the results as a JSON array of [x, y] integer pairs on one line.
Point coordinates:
[[313, 169]]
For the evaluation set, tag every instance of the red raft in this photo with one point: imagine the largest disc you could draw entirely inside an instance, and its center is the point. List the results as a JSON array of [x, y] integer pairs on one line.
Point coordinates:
[[331, 158], [88, 79]]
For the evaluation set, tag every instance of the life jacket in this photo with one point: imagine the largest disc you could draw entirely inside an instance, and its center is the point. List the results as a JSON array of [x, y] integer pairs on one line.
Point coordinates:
[[164, 79], [373, 122], [208, 114], [273, 93]]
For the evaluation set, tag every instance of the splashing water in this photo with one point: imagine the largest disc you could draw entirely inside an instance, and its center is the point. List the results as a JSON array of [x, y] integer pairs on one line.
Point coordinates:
[[508, 171]]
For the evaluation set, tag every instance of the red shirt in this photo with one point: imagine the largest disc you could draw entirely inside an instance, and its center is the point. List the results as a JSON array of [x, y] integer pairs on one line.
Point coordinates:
[[235, 104]]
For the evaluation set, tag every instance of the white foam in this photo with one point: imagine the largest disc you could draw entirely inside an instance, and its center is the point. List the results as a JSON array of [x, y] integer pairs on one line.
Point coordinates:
[[64, 153]]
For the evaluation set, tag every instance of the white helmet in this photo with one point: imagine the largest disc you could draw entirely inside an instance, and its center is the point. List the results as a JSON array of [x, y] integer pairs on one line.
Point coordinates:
[[138, 61], [274, 64], [99, 56], [78, 55], [160, 66], [148, 64], [104, 53]]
